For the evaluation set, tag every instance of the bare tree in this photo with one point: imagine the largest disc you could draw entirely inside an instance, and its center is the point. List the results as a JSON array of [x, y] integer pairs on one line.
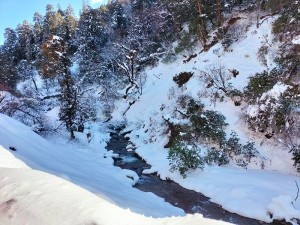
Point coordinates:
[[216, 77]]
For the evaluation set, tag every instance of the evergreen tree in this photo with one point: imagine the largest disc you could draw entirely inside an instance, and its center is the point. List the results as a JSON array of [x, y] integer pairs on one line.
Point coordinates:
[[38, 26], [49, 22], [209, 125], [71, 24], [119, 21], [8, 58], [26, 42], [90, 38], [57, 65]]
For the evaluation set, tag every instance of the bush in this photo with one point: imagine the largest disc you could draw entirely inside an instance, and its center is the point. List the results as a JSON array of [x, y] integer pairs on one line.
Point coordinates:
[[169, 58], [183, 157], [279, 25], [209, 125], [248, 150], [296, 156], [216, 156], [236, 96], [275, 114], [182, 78], [259, 84], [232, 146], [187, 42], [286, 26], [194, 107], [242, 163], [261, 54]]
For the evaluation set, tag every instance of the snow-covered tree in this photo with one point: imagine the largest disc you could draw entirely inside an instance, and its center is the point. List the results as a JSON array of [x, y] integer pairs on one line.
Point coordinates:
[[8, 58], [90, 37]]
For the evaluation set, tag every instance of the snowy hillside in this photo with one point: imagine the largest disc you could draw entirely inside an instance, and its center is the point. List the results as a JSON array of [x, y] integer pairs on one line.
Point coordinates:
[[178, 98], [32, 197], [81, 164], [253, 192]]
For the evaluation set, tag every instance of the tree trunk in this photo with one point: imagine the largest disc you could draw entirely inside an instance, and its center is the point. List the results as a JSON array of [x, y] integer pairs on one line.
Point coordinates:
[[202, 25], [219, 20], [72, 135]]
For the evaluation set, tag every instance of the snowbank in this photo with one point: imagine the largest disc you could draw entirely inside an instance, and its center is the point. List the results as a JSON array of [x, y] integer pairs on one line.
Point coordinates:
[[84, 165], [35, 198]]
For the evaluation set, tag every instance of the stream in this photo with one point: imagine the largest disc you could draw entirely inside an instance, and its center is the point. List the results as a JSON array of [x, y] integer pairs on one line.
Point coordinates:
[[190, 201]]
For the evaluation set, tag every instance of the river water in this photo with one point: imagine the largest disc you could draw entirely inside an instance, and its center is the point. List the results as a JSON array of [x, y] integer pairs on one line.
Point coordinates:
[[190, 201]]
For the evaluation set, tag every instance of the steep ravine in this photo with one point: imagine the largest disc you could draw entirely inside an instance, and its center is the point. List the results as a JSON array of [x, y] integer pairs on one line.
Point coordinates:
[[190, 201]]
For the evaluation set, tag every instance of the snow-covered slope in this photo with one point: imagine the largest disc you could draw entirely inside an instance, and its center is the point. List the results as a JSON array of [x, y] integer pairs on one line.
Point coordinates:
[[31, 197], [83, 165], [254, 192]]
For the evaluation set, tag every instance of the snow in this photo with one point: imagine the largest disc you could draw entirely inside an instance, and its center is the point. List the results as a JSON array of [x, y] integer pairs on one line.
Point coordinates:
[[83, 165], [85, 188], [282, 207], [28, 196], [248, 192], [55, 37], [7, 160], [253, 110], [296, 40], [275, 92], [33, 197]]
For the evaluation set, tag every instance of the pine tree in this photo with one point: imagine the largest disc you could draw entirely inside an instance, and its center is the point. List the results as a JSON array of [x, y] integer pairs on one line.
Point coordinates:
[[26, 41], [90, 38], [38, 26], [71, 24], [49, 22], [119, 21], [9, 58], [57, 66]]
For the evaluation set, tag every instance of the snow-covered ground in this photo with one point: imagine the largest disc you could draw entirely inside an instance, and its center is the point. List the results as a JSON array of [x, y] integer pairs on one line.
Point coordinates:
[[82, 164], [254, 192], [29, 196]]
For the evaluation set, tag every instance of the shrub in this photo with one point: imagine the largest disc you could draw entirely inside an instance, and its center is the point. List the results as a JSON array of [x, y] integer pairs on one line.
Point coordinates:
[[261, 54], [248, 150], [183, 157], [216, 156], [236, 96], [183, 100], [274, 111], [259, 84], [241, 163], [209, 125], [194, 107], [187, 42], [296, 156], [216, 77], [169, 58], [279, 25], [232, 146], [288, 60], [182, 78], [227, 41]]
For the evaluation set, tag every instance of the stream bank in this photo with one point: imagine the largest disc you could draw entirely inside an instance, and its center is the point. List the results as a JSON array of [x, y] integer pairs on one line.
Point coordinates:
[[190, 201]]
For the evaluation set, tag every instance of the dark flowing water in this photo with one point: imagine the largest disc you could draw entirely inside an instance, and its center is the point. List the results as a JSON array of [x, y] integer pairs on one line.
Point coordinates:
[[190, 201]]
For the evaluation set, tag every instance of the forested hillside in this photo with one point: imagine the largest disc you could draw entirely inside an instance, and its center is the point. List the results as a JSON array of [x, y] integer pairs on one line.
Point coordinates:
[[102, 56], [197, 84]]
